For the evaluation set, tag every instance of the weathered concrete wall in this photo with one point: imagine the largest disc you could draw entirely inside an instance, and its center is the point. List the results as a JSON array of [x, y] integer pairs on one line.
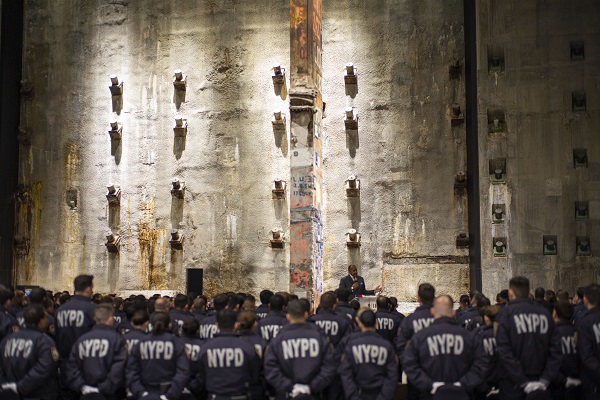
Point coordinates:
[[406, 155], [535, 92]]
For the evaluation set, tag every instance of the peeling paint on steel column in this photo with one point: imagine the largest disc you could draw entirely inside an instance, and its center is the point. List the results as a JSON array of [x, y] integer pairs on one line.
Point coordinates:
[[306, 111]]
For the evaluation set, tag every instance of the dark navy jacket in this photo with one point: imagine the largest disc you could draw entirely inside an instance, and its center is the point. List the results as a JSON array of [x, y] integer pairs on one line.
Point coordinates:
[[470, 319], [588, 347], [228, 366], [193, 346], [270, 326], [8, 323], [485, 334], [28, 358], [73, 319], [412, 324], [301, 353], [121, 322], [388, 324], [98, 359], [133, 337], [369, 368], [178, 317], [158, 365], [208, 327], [199, 315], [526, 347], [569, 368], [444, 352], [347, 282], [344, 309], [335, 326], [262, 311], [51, 330], [578, 312]]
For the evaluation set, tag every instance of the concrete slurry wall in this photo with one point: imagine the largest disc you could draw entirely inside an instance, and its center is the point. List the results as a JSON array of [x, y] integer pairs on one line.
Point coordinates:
[[406, 154], [533, 94]]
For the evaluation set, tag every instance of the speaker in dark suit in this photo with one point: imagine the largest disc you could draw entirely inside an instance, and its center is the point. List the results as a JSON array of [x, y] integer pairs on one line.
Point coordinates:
[[356, 283]]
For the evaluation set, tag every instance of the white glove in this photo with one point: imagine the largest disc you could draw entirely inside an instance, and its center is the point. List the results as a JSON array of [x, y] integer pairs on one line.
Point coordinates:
[[436, 386], [457, 384], [163, 397], [145, 394], [533, 386], [299, 389], [86, 389], [573, 382], [493, 392], [10, 386]]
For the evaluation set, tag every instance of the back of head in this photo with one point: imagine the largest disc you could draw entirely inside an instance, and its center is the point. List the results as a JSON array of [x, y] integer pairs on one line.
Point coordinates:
[[106, 300], [226, 319], [103, 314], [83, 282], [235, 301], [265, 296], [33, 314], [354, 304], [286, 298], [550, 296], [464, 300], [443, 306], [117, 302], [539, 293], [306, 304], [562, 295], [580, 291], [393, 303], [478, 298], [592, 294], [367, 317], [328, 300], [276, 303], [5, 294], [37, 296], [199, 303], [190, 327], [564, 310], [161, 305], [246, 321], [426, 293], [220, 301], [504, 295], [482, 304], [160, 322], [139, 317], [519, 285], [490, 312], [296, 310], [180, 301], [343, 294], [382, 303]]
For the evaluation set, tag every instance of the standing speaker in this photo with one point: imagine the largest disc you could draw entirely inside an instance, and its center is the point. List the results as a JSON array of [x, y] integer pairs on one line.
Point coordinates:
[[194, 280]]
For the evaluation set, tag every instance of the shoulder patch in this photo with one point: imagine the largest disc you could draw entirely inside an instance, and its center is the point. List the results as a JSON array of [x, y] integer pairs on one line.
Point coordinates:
[[54, 353], [51, 329]]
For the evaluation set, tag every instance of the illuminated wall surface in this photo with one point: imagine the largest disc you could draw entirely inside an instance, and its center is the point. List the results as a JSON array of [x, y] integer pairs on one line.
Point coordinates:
[[406, 154]]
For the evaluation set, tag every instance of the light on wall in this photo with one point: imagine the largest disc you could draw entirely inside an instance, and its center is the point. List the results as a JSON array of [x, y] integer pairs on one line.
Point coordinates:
[[277, 238], [499, 247], [116, 87], [278, 122], [177, 188], [352, 186], [352, 239], [113, 242], [583, 246], [278, 75], [278, 188], [351, 119], [113, 194], [116, 130], [176, 240], [180, 80], [181, 126], [350, 74]]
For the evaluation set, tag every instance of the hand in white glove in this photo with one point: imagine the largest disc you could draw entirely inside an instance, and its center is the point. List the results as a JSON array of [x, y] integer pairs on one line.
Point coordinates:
[[145, 394], [457, 384], [163, 397], [299, 389], [533, 386], [86, 389], [10, 386], [436, 386], [573, 382]]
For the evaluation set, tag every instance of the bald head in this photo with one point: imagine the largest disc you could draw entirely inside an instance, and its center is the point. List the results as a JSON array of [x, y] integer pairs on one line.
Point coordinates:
[[443, 306], [161, 305]]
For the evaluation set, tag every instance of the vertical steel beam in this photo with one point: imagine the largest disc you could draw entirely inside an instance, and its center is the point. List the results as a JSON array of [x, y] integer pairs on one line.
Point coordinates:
[[306, 111]]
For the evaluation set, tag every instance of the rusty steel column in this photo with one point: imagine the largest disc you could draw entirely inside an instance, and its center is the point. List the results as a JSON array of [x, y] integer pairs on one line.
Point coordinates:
[[306, 112]]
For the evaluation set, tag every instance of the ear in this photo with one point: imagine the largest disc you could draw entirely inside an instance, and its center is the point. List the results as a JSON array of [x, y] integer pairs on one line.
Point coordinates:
[[287, 316]]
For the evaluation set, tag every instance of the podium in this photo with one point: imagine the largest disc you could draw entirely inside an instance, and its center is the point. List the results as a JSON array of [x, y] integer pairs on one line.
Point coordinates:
[[368, 301]]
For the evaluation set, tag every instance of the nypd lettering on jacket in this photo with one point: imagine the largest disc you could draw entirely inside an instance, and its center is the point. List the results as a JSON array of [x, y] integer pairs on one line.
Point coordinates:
[[193, 351], [569, 345], [93, 348], [225, 358], [72, 318], [420, 324], [208, 331], [369, 354], [300, 348], [131, 343], [331, 328], [531, 323], [597, 332], [489, 346], [269, 332], [385, 323], [156, 350], [445, 343], [18, 348]]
